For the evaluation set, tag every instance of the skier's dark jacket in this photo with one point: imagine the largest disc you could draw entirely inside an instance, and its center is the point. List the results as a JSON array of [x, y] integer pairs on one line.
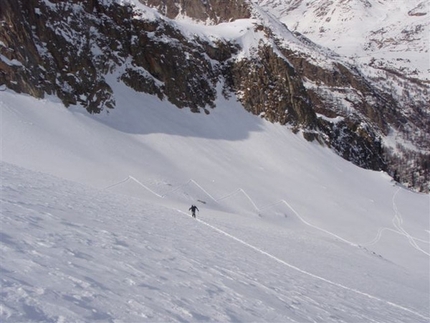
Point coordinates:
[[193, 209]]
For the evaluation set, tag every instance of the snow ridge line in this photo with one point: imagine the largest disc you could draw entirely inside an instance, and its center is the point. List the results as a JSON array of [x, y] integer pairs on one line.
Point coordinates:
[[308, 273], [396, 221]]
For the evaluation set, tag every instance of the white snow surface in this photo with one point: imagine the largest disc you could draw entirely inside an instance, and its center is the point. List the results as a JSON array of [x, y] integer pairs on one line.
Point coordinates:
[[390, 31], [95, 223]]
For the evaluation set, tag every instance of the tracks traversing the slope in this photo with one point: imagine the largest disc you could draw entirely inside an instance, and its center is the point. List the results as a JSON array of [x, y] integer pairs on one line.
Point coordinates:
[[397, 220], [398, 228], [304, 272]]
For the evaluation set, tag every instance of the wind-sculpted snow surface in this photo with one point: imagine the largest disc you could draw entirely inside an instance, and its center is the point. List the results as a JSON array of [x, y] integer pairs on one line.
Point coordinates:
[[71, 253]]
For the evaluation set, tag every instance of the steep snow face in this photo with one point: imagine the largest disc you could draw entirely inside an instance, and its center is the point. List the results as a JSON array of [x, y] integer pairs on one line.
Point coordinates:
[[287, 230], [397, 31]]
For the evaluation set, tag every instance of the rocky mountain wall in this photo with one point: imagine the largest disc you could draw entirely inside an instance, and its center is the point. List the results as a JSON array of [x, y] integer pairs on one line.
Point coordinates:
[[211, 11]]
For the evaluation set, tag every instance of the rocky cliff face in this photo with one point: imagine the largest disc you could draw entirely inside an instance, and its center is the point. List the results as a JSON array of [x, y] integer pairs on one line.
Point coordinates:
[[40, 57], [211, 11], [67, 49]]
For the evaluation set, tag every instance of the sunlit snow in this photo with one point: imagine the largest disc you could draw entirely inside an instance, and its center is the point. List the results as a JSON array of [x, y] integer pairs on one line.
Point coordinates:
[[95, 223]]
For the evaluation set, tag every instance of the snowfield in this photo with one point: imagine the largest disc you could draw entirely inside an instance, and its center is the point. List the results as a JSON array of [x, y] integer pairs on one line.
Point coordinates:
[[95, 223], [394, 33]]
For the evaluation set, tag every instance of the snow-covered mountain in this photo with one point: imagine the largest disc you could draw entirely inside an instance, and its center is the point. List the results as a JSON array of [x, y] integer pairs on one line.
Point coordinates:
[[389, 32], [388, 41], [95, 223], [94, 206], [371, 114], [377, 36]]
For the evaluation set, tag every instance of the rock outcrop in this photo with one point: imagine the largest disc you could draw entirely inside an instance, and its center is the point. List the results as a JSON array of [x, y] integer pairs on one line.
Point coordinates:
[[213, 11]]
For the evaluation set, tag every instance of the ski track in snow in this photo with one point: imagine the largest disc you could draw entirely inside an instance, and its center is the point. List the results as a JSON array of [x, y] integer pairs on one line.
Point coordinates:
[[70, 253], [397, 223], [77, 271], [397, 220], [308, 273]]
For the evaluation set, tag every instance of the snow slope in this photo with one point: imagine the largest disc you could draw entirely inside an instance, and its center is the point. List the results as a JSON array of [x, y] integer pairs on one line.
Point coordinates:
[[95, 221]]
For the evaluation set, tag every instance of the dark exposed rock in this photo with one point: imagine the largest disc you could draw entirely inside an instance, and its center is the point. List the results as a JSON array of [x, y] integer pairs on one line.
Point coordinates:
[[70, 58], [355, 142], [50, 63], [213, 10], [269, 86]]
